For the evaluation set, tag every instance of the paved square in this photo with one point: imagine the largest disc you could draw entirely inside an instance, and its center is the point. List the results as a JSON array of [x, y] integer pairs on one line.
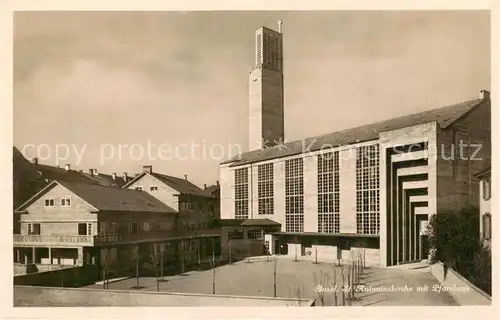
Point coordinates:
[[256, 279]]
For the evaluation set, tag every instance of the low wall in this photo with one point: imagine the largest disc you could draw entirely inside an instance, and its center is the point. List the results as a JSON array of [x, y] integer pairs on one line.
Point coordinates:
[[456, 284], [329, 253], [46, 297], [69, 277]]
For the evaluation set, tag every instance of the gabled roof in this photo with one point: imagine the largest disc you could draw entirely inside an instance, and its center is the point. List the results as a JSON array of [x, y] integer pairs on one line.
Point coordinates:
[[61, 174], [107, 179], [213, 188], [183, 186], [23, 169], [444, 117], [108, 198]]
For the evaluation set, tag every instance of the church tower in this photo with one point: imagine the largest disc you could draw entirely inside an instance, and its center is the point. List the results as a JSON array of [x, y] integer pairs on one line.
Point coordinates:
[[266, 101]]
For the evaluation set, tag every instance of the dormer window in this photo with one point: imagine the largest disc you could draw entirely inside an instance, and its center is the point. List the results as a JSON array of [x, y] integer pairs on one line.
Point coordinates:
[[153, 188], [138, 188], [50, 202], [65, 202]]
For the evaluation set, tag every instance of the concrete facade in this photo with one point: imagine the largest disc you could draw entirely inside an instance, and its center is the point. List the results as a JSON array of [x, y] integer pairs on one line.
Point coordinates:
[[416, 181], [266, 95]]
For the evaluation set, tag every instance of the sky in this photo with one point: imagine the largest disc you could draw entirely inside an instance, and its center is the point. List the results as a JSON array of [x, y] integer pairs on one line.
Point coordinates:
[[119, 90]]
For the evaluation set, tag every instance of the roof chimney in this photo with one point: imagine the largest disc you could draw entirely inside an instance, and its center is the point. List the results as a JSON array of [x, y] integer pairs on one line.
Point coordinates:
[[114, 176], [67, 167], [148, 168], [185, 176], [35, 161], [217, 182], [280, 26], [204, 186], [125, 176], [96, 173], [484, 94], [91, 171], [81, 171]]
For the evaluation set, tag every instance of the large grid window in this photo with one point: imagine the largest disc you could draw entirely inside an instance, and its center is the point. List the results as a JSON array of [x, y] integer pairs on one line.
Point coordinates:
[[265, 188], [294, 195], [241, 193], [367, 190], [328, 193]]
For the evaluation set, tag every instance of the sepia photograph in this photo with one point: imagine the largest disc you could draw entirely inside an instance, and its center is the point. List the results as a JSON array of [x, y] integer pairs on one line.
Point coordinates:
[[328, 158]]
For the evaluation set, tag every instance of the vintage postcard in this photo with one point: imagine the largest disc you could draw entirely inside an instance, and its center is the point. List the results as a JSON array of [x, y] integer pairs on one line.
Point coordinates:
[[319, 159]]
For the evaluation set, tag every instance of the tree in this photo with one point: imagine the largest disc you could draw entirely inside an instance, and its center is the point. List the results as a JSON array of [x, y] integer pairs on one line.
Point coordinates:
[[321, 280], [275, 268], [155, 266], [214, 262], [454, 238]]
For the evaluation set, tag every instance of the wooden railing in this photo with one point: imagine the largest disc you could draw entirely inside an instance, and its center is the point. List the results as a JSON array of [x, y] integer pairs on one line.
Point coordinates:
[[72, 240], [155, 236], [53, 240]]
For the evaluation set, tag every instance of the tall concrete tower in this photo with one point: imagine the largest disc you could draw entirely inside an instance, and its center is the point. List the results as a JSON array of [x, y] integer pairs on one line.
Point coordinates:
[[266, 101]]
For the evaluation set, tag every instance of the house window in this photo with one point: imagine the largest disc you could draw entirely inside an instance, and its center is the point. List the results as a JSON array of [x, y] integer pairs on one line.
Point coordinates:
[[235, 235], [138, 188], [153, 188], [189, 206], [487, 226], [254, 234], [241, 193], [192, 225], [265, 188], [82, 229], [132, 227], [486, 190], [65, 202], [89, 229], [146, 226], [294, 195], [33, 228], [50, 202]]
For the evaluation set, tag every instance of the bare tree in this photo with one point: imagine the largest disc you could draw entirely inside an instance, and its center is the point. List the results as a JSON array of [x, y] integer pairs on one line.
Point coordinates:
[[275, 268], [162, 263], [321, 279], [335, 283], [343, 284], [155, 266], [214, 262], [298, 292]]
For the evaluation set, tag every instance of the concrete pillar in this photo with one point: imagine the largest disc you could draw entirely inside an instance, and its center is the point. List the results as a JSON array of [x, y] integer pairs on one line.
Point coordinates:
[[33, 254], [50, 255]]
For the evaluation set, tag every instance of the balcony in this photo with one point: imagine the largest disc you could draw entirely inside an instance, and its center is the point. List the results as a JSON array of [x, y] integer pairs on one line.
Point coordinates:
[[53, 240], [24, 240], [155, 236]]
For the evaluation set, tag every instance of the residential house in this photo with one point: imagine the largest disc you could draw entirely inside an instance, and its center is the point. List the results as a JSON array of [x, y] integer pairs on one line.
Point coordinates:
[[194, 205], [214, 190], [115, 229], [485, 226]]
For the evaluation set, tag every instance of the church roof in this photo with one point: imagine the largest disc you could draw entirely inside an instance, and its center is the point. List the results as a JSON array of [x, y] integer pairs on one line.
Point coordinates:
[[444, 116]]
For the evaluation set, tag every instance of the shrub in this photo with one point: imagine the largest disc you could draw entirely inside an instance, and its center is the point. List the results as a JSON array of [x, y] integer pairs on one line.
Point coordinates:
[[455, 241]]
